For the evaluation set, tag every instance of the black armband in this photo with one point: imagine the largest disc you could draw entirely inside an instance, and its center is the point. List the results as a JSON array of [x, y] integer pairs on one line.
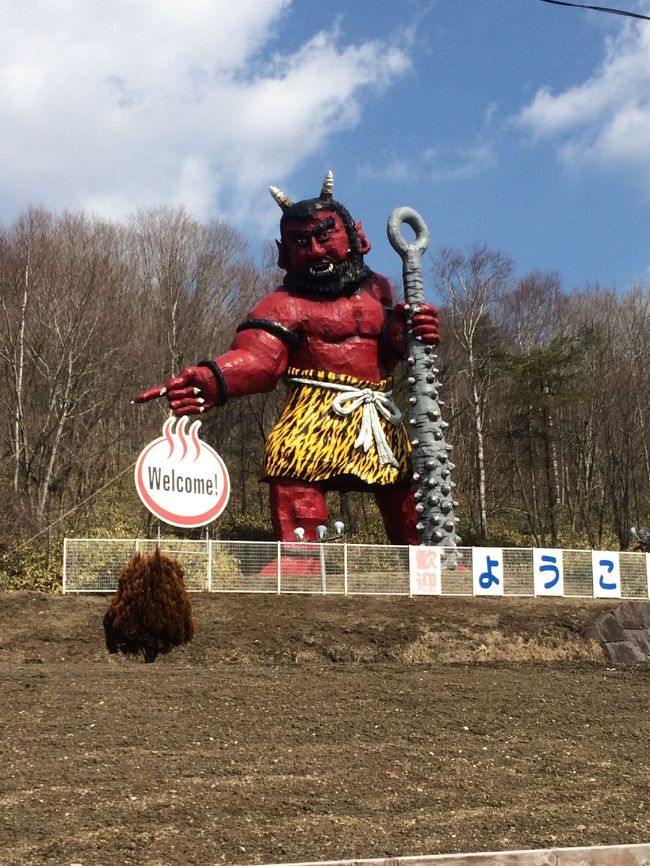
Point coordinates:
[[289, 338], [221, 381]]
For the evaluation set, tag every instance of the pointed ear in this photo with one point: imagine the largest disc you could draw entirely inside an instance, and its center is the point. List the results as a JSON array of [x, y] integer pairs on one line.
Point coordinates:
[[363, 243], [282, 256]]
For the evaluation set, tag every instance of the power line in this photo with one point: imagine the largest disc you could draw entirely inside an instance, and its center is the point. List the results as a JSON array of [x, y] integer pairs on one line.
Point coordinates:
[[599, 9], [70, 511]]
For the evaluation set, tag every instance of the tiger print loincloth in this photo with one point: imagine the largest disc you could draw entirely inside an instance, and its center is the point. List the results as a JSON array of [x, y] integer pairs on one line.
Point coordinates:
[[312, 442]]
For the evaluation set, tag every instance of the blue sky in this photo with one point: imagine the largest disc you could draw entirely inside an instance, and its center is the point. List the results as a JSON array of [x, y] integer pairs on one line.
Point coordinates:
[[514, 123]]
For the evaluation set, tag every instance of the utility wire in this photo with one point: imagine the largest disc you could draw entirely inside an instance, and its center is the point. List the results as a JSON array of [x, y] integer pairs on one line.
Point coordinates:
[[71, 510], [599, 9]]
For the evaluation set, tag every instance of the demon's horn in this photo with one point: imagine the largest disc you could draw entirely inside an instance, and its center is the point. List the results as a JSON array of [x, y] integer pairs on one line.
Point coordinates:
[[327, 190], [283, 200]]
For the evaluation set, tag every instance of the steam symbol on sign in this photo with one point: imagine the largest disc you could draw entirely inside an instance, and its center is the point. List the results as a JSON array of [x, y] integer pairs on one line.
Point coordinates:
[[179, 436]]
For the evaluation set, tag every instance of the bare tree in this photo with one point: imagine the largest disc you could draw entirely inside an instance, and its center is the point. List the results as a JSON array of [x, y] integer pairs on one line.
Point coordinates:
[[24, 256], [471, 286], [64, 335], [197, 281], [539, 356]]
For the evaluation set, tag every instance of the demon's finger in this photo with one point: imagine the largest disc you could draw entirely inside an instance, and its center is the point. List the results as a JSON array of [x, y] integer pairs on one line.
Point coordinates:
[[187, 407], [149, 394], [187, 393]]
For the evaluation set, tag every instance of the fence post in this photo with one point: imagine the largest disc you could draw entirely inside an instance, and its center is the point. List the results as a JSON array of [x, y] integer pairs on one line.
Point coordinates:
[[323, 574], [345, 568], [209, 543], [65, 563], [279, 560]]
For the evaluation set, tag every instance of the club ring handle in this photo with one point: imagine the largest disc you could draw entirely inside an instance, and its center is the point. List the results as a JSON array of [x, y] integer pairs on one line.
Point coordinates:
[[413, 219]]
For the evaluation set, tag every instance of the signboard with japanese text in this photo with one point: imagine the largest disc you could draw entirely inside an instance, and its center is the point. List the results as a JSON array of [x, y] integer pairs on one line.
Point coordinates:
[[487, 570], [606, 573], [425, 570], [180, 478], [548, 571]]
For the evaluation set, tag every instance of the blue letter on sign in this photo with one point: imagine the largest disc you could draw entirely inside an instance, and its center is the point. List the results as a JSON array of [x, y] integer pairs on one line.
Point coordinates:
[[550, 565], [487, 579], [606, 573], [609, 565]]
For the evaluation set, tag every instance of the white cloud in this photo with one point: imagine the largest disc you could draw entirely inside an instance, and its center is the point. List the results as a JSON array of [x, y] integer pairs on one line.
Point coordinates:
[[395, 170], [120, 105], [446, 164], [437, 164], [606, 119]]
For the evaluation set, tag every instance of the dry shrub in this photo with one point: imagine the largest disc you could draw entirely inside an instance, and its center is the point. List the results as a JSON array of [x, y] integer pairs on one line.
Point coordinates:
[[150, 613], [493, 645]]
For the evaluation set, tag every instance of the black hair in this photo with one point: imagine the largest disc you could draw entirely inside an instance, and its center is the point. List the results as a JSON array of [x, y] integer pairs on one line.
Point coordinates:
[[310, 207]]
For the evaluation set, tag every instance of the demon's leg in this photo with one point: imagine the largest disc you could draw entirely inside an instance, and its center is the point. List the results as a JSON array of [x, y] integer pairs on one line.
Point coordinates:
[[397, 507], [296, 503]]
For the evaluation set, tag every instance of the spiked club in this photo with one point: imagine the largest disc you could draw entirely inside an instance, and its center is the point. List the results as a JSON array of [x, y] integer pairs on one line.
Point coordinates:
[[432, 484]]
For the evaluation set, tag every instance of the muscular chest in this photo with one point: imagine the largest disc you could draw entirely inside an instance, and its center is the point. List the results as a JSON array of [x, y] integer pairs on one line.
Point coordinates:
[[361, 315]]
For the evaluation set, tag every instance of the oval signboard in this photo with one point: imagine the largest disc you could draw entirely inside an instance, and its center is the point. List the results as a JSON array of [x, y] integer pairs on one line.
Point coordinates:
[[180, 478]]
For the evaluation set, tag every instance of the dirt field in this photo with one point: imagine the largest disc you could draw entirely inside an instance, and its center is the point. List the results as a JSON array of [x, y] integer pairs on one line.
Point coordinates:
[[306, 728]]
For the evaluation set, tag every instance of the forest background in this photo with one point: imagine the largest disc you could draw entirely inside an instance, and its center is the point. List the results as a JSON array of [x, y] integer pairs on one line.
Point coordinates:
[[545, 390]]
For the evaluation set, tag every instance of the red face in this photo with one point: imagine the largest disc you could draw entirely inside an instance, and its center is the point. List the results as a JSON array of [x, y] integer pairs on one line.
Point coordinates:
[[315, 245]]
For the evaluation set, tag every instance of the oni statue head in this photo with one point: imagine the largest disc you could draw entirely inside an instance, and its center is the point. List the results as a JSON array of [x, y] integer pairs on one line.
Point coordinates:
[[321, 247]]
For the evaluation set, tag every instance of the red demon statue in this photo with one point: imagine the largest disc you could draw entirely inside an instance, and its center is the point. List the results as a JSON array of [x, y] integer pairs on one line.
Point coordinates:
[[333, 331]]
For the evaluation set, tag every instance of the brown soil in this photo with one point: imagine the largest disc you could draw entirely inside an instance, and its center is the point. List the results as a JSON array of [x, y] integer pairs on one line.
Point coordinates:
[[305, 728]]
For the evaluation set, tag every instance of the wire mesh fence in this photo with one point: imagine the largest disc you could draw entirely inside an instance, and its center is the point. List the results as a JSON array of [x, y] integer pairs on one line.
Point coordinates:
[[94, 565]]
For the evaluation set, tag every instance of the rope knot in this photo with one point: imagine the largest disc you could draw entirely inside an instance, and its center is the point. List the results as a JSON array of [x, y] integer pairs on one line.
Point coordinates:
[[374, 404]]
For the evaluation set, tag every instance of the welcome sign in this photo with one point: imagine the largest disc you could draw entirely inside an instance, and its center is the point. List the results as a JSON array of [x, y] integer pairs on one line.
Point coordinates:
[[180, 478]]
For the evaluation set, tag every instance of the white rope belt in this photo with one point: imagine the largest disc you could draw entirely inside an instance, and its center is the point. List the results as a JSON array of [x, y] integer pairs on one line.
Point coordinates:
[[374, 403]]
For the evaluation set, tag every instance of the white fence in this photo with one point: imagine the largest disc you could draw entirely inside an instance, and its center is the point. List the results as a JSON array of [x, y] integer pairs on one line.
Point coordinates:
[[94, 565]]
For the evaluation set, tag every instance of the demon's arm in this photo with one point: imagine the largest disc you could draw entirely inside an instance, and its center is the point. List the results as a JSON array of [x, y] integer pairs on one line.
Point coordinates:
[[257, 358]]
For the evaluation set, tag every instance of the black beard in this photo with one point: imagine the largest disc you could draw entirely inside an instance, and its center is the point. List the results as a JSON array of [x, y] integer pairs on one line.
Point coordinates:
[[343, 279]]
